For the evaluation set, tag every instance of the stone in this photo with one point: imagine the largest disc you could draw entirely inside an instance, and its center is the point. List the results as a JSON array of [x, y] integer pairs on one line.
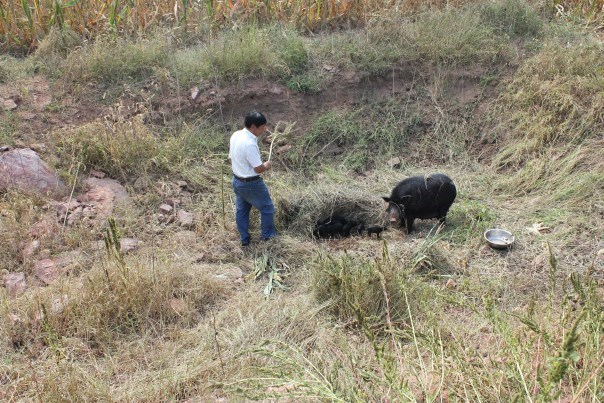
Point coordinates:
[[172, 202], [451, 284], [182, 184], [58, 305], [128, 245], [45, 226], [185, 219], [9, 105], [46, 270], [75, 216], [103, 195], [195, 93], [24, 170], [97, 174], [30, 249], [15, 284], [165, 209], [284, 149], [394, 163], [5, 148]]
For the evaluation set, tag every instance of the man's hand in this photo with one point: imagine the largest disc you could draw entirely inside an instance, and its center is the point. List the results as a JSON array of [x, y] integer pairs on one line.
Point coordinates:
[[268, 165]]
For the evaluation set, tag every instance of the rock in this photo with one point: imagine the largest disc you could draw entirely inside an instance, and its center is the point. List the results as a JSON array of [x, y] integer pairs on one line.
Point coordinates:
[[59, 304], [9, 105], [128, 245], [30, 249], [5, 148], [185, 219], [451, 284], [103, 196], [97, 174], [284, 149], [24, 170], [44, 227], [75, 216], [46, 270], [394, 163], [14, 283], [195, 93], [172, 202], [165, 209], [28, 116], [63, 209], [182, 184]]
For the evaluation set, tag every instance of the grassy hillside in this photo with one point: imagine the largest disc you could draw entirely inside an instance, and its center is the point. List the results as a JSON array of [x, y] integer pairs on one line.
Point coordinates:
[[503, 97]]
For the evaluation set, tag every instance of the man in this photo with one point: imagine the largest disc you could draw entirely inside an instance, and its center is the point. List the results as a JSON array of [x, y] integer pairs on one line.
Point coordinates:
[[250, 189]]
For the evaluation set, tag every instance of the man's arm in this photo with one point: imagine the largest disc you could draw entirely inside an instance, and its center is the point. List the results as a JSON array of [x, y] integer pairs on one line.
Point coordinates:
[[263, 167]]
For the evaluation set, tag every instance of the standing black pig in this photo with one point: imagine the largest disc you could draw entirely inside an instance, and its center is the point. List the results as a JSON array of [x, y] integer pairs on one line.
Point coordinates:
[[420, 197]]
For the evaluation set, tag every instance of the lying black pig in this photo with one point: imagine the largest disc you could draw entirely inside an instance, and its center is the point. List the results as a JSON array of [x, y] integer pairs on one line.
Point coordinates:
[[420, 197]]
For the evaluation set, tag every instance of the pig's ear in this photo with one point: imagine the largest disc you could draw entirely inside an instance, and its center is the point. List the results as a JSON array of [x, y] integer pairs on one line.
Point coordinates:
[[386, 199]]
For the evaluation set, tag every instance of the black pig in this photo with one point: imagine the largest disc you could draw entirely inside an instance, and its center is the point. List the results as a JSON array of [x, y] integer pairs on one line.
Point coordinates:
[[375, 229], [420, 197]]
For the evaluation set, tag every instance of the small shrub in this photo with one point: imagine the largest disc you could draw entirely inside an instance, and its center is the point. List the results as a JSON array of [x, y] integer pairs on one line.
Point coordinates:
[[514, 18], [111, 59], [123, 150]]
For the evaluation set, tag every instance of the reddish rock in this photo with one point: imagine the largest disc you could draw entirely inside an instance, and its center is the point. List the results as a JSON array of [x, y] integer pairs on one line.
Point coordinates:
[[24, 170], [43, 227], [46, 270], [15, 284], [75, 216], [165, 209], [102, 196], [30, 249]]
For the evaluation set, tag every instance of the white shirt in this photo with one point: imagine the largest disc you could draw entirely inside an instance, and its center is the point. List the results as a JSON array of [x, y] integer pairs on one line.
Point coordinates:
[[244, 153]]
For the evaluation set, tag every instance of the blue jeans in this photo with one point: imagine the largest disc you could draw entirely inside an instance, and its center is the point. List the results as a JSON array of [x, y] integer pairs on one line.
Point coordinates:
[[254, 194]]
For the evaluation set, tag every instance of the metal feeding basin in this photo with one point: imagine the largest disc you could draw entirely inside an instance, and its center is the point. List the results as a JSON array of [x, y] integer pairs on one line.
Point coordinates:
[[499, 238]]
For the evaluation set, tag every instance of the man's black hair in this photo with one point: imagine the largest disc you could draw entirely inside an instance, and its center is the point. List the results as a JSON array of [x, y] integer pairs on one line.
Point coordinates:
[[254, 118]]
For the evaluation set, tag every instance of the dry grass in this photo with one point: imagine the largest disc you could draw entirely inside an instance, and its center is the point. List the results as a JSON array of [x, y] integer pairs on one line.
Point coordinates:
[[435, 315]]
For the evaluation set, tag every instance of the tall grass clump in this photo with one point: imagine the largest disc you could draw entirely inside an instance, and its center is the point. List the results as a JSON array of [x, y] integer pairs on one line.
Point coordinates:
[[113, 59], [549, 123], [250, 51], [118, 297], [373, 293], [53, 49], [443, 37], [122, 149], [355, 140], [513, 18]]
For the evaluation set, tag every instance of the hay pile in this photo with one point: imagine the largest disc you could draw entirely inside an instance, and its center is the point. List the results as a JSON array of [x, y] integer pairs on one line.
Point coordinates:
[[301, 208]]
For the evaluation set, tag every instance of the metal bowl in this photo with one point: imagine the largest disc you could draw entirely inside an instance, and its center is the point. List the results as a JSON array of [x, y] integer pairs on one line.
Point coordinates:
[[499, 238]]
